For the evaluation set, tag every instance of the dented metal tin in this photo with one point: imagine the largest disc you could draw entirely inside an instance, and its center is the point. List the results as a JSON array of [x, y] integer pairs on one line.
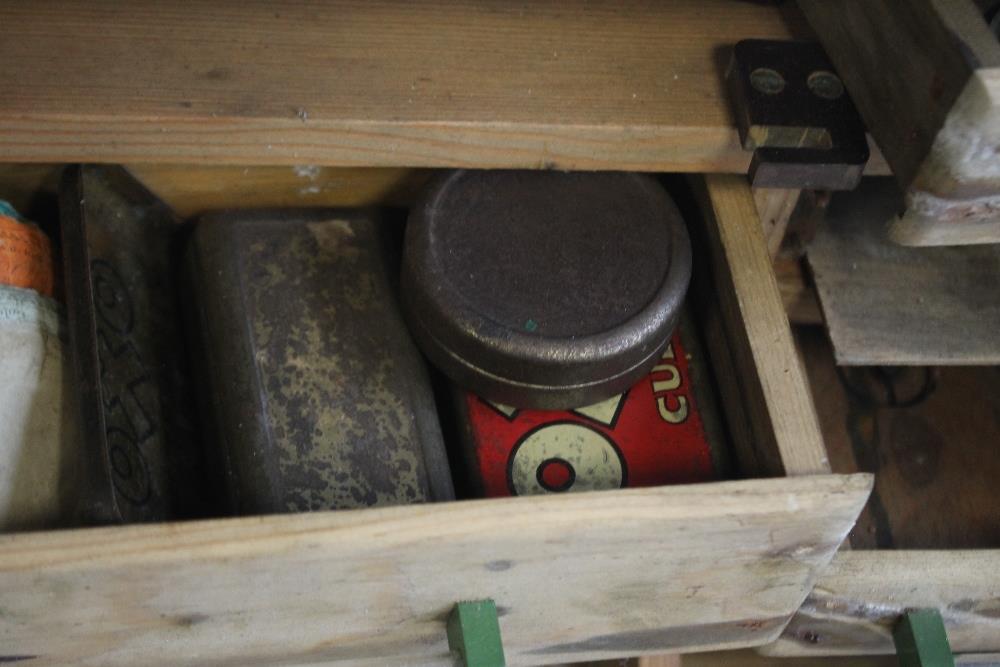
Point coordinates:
[[314, 394], [545, 289], [140, 456]]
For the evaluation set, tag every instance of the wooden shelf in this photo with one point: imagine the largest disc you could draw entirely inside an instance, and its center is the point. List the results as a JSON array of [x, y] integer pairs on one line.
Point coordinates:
[[564, 84]]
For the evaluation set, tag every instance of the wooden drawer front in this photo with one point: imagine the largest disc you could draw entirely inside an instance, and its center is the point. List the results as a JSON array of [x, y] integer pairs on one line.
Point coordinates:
[[576, 577]]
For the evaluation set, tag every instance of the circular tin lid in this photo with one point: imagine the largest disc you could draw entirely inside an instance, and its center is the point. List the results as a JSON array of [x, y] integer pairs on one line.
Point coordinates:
[[544, 289]]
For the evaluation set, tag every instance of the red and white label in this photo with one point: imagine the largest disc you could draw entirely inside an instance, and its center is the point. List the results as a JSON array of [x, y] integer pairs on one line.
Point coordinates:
[[649, 436]]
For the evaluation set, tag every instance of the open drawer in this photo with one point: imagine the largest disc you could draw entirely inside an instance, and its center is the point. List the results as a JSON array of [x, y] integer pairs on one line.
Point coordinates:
[[576, 577]]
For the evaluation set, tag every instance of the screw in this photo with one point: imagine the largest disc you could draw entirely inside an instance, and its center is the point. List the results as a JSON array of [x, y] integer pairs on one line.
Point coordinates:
[[767, 80], [825, 84]]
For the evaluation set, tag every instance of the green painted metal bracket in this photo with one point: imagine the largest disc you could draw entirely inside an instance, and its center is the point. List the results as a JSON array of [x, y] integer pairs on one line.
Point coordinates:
[[921, 640], [474, 634]]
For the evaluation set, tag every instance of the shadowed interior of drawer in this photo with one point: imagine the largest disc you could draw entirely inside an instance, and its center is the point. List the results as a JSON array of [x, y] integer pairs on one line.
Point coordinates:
[[759, 541]]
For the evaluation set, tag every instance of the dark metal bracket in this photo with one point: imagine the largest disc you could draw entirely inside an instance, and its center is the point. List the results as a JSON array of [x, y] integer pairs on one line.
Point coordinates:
[[793, 112]]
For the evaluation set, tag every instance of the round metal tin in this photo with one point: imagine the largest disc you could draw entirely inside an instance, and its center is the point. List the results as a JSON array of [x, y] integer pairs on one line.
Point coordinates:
[[544, 289]]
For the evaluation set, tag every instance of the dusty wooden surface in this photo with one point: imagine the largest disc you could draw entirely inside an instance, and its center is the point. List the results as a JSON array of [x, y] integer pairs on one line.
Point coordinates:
[[783, 434], [925, 76], [862, 594], [797, 292], [963, 163], [930, 437], [888, 304], [576, 577], [565, 84], [751, 658], [194, 189], [775, 207]]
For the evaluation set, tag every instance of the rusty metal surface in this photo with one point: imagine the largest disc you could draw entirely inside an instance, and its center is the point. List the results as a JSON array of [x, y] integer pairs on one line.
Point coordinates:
[[316, 396], [139, 458], [544, 289], [793, 111]]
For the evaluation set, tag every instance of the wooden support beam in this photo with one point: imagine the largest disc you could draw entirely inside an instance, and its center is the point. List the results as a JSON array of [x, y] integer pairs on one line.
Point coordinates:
[[566, 84], [775, 207], [763, 383], [925, 76]]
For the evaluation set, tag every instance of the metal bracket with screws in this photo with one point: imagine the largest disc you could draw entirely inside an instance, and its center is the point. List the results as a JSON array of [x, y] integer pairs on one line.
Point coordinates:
[[793, 112]]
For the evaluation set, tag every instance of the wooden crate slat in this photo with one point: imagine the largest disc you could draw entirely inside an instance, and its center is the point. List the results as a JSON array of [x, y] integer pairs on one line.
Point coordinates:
[[575, 577], [862, 594], [781, 434], [925, 76], [565, 84], [887, 304]]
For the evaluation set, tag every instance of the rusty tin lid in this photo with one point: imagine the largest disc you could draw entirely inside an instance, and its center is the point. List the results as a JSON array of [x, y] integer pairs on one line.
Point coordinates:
[[544, 289]]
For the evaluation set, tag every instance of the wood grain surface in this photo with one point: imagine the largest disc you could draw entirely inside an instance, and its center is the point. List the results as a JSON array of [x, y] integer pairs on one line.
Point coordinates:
[[576, 577], [861, 596], [775, 207], [631, 85], [782, 433], [888, 304], [925, 76]]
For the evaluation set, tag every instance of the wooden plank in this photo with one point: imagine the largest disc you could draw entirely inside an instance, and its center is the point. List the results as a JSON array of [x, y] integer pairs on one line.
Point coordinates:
[[575, 577], [964, 158], [751, 658], [785, 432], [774, 207], [861, 596], [887, 304], [192, 189], [926, 79], [797, 293], [567, 84]]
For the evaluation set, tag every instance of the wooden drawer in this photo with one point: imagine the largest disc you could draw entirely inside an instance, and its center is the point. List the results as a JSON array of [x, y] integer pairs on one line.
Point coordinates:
[[562, 85], [576, 577]]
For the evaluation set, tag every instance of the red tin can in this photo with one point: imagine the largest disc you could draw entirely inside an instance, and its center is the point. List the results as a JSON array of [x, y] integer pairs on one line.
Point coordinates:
[[664, 430]]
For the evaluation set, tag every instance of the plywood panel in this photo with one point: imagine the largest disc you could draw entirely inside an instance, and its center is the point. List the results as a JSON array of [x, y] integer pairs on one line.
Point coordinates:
[[925, 76], [888, 304]]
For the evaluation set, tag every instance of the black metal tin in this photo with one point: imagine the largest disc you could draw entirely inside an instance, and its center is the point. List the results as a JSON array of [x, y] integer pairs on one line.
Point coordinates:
[[544, 289], [314, 394], [140, 458]]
